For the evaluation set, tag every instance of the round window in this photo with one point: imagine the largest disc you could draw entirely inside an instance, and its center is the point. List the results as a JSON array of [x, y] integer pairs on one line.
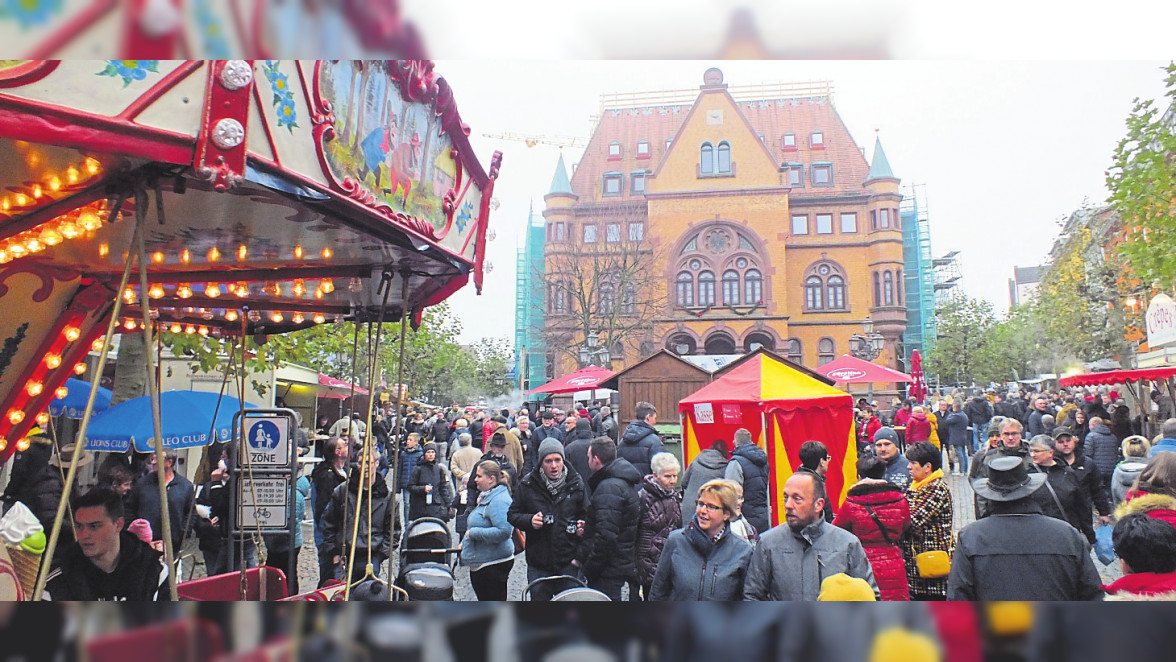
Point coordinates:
[[695, 265], [741, 263], [823, 270]]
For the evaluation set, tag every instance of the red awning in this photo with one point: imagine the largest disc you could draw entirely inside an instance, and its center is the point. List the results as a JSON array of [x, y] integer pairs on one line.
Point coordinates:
[[327, 380], [580, 380], [851, 370], [1117, 377]]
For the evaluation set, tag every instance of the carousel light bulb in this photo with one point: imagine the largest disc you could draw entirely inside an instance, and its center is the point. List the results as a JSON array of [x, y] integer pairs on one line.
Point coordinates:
[[190, 329], [69, 229], [213, 254], [21, 199], [96, 345], [203, 331], [52, 361], [356, 285], [242, 252], [71, 175], [298, 252], [185, 256], [318, 293], [34, 389], [231, 315], [212, 290], [319, 318], [103, 250], [15, 416], [254, 316], [37, 192], [326, 253], [4, 256], [79, 369], [61, 392], [50, 237], [42, 418], [327, 286], [129, 295], [129, 325], [157, 257], [184, 291], [17, 249], [23, 444], [72, 333], [155, 291], [276, 317], [3, 444], [176, 328], [54, 183], [92, 166], [5, 204], [89, 220], [298, 318], [34, 245], [242, 289], [299, 287]]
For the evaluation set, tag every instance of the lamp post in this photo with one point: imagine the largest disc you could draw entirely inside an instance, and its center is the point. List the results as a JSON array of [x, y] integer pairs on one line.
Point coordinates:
[[867, 346], [593, 353]]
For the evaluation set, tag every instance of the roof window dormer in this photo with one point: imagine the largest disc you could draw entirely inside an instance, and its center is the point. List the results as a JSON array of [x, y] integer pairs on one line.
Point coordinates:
[[817, 139], [614, 151], [788, 142], [643, 149]]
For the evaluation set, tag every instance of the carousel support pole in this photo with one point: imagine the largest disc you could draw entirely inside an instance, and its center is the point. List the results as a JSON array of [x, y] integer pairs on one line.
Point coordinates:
[[169, 554], [55, 533], [404, 274]]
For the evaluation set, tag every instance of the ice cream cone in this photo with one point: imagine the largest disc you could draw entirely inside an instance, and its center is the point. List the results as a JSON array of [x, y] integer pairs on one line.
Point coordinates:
[[27, 565]]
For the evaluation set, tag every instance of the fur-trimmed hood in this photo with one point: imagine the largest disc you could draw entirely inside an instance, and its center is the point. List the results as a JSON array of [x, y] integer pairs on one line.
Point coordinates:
[[1139, 502]]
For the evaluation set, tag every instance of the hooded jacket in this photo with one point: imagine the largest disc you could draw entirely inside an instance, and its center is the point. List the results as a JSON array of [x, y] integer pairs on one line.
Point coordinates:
[[661, 513], [957, 429], [576, 455], [694, 567], [384, 531], [408, 460], [979, 410], [638, 445], [1126, 473], [550, 548], [488, 533], [918, 428], [1103, 448], [140, 575], [609, 546], [1143, 586], [864, 502], [749, 467], [707, 466]]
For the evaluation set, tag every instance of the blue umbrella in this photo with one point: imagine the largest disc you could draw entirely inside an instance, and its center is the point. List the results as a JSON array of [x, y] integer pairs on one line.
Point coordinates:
[[187, 416], [74, 403]]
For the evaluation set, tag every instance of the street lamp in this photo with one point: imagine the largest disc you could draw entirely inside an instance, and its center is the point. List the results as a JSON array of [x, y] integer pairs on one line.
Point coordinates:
[[592, 352], [866, 346]]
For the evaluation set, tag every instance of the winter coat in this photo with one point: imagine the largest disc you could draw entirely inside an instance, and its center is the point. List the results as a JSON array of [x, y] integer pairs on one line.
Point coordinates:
[[1017, 553], [707, 466], [325, 478], [931, 530], [661, 513], [610, 428], [1164, 445], [550, 548], [429, 473], [576, 454], [933, 437], [865, 501], [1103, 448], [694, 567], [140, 575], [918, 428], [609, 546], [749, 468], [638, 445], [181, 505], [1075, 508], [1034, 426], [898, 471], [1160, 506], [385, 531], [1126, 473], [530, 449], [472, 488], [514, 449], [1143, 586], [439, 432], [786, 565], [408, 462], [978, 410], [488, 533], [542, 432], [957, 429], [1093, 486]]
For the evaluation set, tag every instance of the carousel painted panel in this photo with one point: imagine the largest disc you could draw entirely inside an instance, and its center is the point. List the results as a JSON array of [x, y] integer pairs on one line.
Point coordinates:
[[40, 292], [30, 26], [100, 87]]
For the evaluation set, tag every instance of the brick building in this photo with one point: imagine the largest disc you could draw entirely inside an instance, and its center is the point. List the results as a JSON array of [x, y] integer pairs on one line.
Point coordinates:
[[758, 217]]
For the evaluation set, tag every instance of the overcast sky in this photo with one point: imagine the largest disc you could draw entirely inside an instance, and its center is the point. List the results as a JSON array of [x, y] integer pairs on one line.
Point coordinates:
[[1005, 150]]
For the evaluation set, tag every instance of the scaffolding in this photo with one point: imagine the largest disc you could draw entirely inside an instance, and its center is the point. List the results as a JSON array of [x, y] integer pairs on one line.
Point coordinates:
[[530, 353], [947, 276], [918, 276]]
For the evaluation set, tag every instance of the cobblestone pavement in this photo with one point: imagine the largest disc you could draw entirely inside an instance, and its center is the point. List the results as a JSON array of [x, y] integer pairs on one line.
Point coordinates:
[[308, 558]]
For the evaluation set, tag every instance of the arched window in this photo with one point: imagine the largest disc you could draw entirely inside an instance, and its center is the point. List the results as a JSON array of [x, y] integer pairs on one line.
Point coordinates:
[[813, 297], [757, 340], [607, 299], [753, 286], [887, 288], [557, 298], [681, 344], [707, 159], [724, 162], [899, 286], [835, 287], [826, 350], [706, 289], [628, 299], [731, 287], [795, 351], [720, 343], [685, 289], [877, 289]]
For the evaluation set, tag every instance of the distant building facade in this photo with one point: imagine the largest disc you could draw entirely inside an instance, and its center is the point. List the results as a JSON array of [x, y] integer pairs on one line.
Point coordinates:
[[1024, 284]]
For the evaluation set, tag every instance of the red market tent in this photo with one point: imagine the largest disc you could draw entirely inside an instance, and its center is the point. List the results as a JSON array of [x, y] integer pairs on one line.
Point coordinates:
[[1117, 377], [851, 370], [581, 380], [782, 407]]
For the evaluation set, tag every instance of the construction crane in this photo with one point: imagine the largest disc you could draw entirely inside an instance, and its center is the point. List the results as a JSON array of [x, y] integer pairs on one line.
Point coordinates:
[[531, 141]]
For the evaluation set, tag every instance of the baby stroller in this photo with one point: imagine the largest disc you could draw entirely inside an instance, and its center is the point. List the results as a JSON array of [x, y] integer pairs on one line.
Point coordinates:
[[577, 593], [427, 562]]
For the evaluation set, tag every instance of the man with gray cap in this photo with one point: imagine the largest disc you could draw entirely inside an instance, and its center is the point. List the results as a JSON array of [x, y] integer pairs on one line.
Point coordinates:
[[1017, 553], [886, 449], [549, 507]]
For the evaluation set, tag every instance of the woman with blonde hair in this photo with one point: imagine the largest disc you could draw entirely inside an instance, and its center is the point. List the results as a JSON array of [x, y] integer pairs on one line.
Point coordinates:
[[705, 560], [1136, 450], [487, 548]]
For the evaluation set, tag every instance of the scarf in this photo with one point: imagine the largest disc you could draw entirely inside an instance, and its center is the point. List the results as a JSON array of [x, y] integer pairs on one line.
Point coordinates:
[[482, 495], [554, 486], [917, 485]]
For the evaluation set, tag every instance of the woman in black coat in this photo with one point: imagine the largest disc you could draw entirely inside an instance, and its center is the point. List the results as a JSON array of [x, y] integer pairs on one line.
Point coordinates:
[[430, 490], [1067, 500]]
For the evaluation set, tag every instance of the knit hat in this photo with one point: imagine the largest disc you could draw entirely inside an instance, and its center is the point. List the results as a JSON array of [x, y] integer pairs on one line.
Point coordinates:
[[550, 445], [843, 588], [885, 433], [429, 446], [895, 644], [141, 528], [994, 426]]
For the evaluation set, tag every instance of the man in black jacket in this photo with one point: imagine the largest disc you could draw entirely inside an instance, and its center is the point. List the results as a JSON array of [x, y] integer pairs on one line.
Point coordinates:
[[748, 468], [550, 506], [143, 502], [641, 441], [1087, 473], [608, 554], [377, 534], [979, 412], [107, 563], [548, 428]]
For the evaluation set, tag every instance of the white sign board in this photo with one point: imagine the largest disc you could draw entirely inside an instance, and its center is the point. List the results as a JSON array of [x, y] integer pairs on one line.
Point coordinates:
[[267, 442], [704, 412], [263, 503], [1161, 321]]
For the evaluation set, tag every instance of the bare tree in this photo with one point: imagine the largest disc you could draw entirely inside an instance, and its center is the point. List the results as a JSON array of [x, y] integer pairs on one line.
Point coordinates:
[[600, 277]]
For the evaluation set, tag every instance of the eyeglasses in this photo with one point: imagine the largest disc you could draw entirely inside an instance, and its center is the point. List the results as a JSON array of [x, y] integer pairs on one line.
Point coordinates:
[[828, 457], [711, 507], [1039, 451], [1010, 434]]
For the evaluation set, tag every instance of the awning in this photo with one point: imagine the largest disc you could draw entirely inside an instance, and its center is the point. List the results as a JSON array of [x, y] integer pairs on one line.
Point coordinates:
[[580, 380], [852, 370], [339, 388], [1117, 377]]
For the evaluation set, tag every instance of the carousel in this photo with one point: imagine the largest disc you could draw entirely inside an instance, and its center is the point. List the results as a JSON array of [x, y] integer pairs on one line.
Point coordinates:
[[230, 198]]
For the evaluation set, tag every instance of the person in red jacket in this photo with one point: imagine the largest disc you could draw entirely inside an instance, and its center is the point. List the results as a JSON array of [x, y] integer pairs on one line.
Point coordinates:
[[918, 426], [867, 424], [877, 512]]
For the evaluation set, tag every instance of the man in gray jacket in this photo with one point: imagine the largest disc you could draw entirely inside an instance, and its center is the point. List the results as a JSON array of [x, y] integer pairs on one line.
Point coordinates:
[[790, 562]]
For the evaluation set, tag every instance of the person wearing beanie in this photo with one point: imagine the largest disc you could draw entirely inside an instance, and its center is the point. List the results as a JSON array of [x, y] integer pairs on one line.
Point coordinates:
[[430, 489], [886, 448], [550, 505]]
